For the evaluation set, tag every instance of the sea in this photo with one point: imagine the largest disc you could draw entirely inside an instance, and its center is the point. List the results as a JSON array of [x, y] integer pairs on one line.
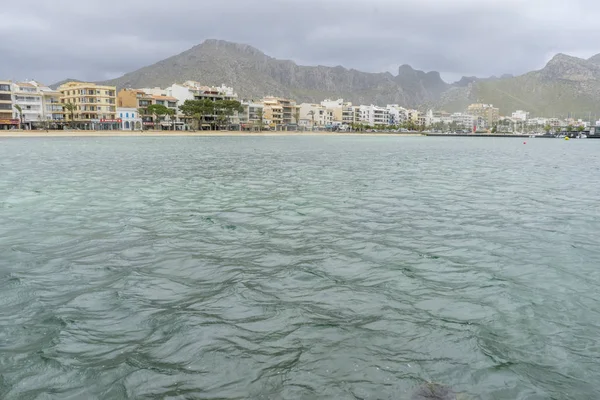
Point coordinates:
[[299, 267]]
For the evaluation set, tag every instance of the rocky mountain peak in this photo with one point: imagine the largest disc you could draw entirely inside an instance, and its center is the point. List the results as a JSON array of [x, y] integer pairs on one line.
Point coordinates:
[[595, 59], [565, 67]]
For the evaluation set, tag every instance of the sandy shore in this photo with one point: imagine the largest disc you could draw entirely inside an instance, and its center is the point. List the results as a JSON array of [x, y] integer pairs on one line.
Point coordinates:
[[30, 134]]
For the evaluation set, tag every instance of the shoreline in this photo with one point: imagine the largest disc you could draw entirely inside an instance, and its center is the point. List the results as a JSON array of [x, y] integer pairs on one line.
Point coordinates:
[[42, 134]]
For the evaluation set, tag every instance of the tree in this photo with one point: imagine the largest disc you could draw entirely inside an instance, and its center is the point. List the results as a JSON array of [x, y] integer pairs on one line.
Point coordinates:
[[260, 114], [297, 115], [158, 110], [312, 115], [20, 111], [197, 109], [547, 128], [225, 109], [495, 129], [580, 128], [172, 113], [570, 128], [70, 107]]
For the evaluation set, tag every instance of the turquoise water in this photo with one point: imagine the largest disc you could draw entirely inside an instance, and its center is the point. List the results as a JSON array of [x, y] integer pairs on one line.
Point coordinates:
[[299, 268]]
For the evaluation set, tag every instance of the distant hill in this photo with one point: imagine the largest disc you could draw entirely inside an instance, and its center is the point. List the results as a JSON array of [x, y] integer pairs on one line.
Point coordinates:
[[57, 84], [565, 84]]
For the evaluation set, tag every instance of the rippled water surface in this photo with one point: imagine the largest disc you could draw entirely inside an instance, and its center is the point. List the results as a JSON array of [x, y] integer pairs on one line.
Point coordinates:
[[299, 268]]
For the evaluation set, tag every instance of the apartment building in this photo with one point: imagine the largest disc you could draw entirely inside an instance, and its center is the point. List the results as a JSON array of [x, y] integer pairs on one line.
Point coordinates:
[[29, 100], [396, 115], [139, 100], [6, 106], [463, 120], [488, 112], [374, 115], [52, 107], [40, 106], [343, 112], [520, 115], [252, 116], [280, 112], [95, 106], [317, 116]]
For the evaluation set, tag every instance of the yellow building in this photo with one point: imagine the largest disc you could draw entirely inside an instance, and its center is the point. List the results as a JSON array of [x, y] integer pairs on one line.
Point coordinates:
[[488, 112], [279, 112], [6, 106], [95, 106]]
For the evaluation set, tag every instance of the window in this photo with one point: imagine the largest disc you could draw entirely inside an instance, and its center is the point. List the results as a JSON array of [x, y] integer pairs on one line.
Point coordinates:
[[132, 115], [121, 115], [5, 88], [126, 115]]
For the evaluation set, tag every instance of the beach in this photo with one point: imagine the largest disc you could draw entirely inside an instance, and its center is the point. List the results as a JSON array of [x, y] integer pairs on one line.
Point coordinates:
[[70, 133]]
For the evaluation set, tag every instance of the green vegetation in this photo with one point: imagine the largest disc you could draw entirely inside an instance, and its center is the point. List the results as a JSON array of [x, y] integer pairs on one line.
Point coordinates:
[[158, 110], [260, 114], [212, 113], [70, 107]]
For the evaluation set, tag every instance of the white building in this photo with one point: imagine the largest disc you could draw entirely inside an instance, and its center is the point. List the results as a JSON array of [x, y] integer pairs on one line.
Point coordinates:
[[396, 115], [520, 115], [130, 119], [28, 98], [316, 115], [343, 111], [191, 90], [537, 122], [39, 104], [465, 120], [374, 115], [250, 118]]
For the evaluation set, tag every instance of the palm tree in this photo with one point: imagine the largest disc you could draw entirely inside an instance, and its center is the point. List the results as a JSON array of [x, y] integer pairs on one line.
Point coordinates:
[[171, 113], [70, 107], [260, 113], [312, 115], [20, 111], [297, 115]]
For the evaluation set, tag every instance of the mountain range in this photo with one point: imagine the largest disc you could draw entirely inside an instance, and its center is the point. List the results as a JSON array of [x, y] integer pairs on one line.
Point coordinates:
[[565, 84]]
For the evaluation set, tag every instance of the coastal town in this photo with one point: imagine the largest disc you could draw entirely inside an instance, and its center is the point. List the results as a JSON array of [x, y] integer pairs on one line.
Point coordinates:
[[190, 105]]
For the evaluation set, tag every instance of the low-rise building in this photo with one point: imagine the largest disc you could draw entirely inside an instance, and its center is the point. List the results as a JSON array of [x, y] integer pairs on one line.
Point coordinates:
[[130, 119]]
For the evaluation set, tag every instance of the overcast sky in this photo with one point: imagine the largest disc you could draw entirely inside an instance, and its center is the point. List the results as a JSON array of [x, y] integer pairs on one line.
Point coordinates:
[[50, 40]]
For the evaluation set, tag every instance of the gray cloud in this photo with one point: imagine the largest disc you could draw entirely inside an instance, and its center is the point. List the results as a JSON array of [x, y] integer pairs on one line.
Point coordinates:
[[94, 40]]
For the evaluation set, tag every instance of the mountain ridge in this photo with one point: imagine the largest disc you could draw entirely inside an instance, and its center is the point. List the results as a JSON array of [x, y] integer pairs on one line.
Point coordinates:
[[575, 82]]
